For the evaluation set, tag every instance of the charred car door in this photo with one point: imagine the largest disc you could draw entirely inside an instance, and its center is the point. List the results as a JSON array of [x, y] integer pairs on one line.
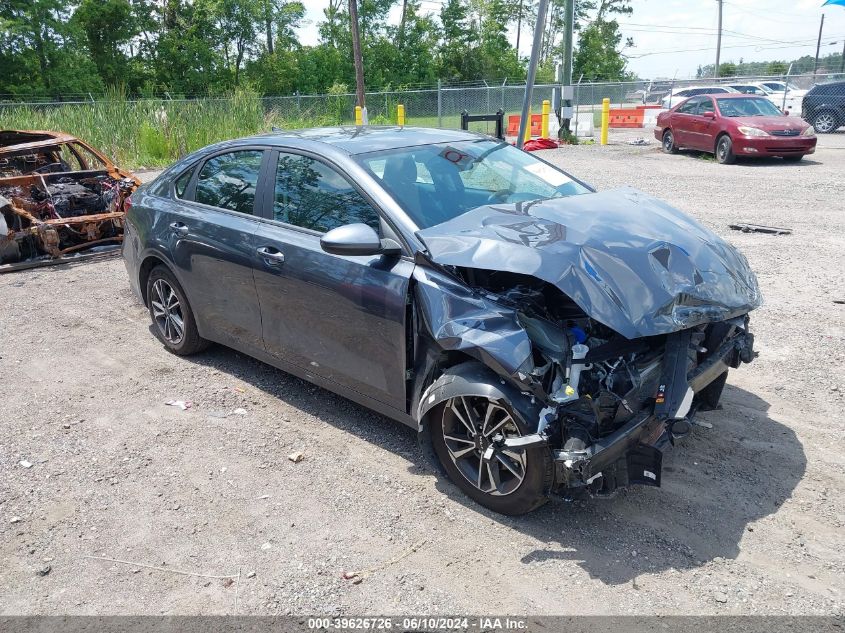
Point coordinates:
[[339, 317], [211, 230]]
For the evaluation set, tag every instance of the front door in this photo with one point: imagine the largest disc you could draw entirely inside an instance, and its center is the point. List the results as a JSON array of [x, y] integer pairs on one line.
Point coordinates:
[[682, 122], [702, 128], [212, 245], [340, 317]]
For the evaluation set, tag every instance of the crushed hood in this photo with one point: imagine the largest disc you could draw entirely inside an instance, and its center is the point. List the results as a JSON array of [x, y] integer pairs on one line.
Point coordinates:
[[630, 261]]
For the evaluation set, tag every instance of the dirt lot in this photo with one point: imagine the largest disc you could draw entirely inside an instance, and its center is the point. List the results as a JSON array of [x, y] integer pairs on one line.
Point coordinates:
[[749, 520]]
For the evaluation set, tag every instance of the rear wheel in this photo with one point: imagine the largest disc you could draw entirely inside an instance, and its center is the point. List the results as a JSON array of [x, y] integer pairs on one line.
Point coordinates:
[[173, 319], [725, 150], [825, 122], [467, 432], [669, 146]]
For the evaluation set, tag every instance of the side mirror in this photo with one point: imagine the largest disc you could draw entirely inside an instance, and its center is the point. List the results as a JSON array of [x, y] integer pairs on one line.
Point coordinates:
[[357, 239], [709, 114]]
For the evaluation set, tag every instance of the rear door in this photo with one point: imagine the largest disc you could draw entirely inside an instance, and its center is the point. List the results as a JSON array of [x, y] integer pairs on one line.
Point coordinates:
[[212, 237], [339, 317]]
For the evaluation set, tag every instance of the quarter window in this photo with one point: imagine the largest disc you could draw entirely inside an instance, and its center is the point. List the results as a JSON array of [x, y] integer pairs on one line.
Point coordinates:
[[181, 183], [229, 181], [312, 195]]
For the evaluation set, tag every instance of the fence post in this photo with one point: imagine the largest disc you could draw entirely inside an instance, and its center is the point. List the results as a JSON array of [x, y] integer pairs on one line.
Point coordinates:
[[439, 104]]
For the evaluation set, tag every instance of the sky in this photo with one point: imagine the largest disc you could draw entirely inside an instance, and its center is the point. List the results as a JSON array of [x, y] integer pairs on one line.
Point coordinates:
[[665, 32]]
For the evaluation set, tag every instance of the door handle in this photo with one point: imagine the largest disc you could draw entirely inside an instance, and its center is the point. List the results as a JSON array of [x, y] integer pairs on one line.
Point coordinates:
[[271, 256], [179, 228]]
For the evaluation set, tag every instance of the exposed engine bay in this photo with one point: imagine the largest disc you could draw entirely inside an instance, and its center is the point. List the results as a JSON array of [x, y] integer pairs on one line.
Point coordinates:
[[608, 404], [57, 196]]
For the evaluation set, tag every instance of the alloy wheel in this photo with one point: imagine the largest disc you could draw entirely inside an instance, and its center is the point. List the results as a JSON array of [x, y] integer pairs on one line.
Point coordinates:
[[668, 142], [825, 123], [473, 431], [167, 311]]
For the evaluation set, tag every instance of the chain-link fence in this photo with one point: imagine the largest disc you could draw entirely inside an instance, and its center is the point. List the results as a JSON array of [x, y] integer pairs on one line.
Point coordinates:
[[442, 105]]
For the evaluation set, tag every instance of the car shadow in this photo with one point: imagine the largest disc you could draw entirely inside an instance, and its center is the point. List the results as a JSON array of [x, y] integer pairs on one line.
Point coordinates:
[[763, 161], [726, 475]]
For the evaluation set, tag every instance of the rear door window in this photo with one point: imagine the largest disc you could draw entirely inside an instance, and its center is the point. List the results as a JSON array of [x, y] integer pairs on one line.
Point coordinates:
[[229, 181]]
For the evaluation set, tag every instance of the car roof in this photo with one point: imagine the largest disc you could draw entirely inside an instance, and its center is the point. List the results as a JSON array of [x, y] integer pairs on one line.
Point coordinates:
[[14, 140], [734, 95], [370, 138]]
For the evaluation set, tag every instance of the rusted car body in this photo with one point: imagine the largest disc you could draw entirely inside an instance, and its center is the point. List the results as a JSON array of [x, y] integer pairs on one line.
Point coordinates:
[[58, 195]]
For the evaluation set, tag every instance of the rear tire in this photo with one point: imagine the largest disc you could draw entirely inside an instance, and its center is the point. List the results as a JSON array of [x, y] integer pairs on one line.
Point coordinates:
[[510, 483], [725, 150], [669, 146], [173, 319]]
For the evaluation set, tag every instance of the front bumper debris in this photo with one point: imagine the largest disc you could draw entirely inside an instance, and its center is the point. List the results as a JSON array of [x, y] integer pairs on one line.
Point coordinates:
[[633, 454]]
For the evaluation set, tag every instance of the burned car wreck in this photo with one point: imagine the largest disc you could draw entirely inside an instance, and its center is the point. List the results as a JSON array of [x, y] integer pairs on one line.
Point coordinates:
[[540, 336], [57, 196]]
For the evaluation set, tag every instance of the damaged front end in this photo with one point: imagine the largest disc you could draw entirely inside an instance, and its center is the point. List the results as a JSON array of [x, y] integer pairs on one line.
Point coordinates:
[[57, 197], [613, 366]]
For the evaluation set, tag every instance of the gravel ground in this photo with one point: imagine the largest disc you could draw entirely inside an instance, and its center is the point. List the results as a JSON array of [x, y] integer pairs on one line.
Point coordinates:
[[93, 463]]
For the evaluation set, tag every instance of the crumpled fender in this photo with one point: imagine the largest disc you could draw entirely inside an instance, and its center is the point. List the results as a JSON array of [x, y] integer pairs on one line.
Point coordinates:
[[462, 320]]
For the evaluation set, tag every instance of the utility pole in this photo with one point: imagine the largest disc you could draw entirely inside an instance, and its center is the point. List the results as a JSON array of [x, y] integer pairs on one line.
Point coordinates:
[[719, 41], [518, 26], [818, 47], [532, 71], [357, 59], [842, 61], [568, 37]]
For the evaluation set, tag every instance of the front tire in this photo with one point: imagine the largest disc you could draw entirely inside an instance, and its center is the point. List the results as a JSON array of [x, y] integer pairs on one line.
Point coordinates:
[[725, 150], [173, 319], [463, 430], [669, 146]]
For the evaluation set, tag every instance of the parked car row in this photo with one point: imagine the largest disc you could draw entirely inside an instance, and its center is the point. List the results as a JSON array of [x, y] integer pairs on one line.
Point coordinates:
[[823, 105]]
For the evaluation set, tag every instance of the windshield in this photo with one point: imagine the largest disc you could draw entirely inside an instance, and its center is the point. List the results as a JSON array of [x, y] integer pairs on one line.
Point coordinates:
[[748, 106], [436, 183]]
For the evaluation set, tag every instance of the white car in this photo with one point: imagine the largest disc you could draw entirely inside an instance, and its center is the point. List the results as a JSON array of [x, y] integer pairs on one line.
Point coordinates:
[[783, 94], [679, 94]]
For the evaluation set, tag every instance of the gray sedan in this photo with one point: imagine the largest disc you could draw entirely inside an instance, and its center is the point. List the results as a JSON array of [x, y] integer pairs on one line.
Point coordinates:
[[540, 336]]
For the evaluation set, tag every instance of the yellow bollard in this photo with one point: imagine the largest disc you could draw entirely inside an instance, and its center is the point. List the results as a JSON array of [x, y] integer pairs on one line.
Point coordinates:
[[544, 125], [359, 117], [605, 119], [400, 115], [527, 129]]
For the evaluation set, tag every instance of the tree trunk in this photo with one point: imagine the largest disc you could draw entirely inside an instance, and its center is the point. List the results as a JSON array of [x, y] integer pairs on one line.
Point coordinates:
[[268, 24], [402, 24]]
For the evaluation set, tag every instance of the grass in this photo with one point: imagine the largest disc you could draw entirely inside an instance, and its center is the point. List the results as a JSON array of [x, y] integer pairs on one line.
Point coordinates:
[[155, 133]]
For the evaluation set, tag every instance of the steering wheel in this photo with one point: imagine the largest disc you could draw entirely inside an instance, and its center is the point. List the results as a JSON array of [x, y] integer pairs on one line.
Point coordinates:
[[48, 168], [501, 195]]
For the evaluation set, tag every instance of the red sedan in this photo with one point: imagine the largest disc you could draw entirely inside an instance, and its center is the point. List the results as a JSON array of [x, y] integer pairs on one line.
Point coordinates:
[[734, 125]]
